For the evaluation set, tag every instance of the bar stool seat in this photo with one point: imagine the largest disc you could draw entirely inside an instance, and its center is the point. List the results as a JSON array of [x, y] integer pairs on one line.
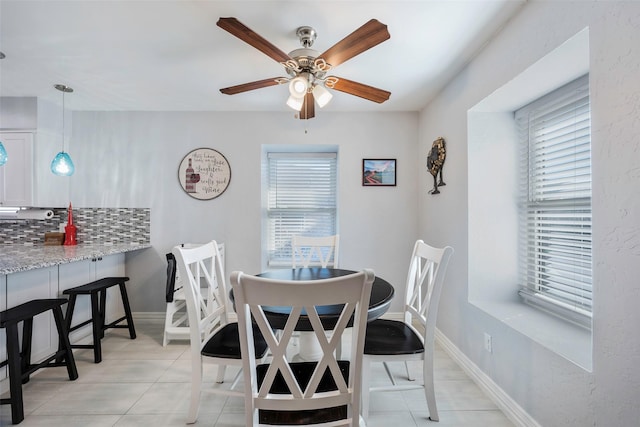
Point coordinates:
[[97, 290], [19, 361]]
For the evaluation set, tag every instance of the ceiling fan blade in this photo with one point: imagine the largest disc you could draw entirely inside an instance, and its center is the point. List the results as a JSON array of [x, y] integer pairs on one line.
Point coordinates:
[[358, 89], [246, 34], [232, 90], [367, 36], [308, 107]]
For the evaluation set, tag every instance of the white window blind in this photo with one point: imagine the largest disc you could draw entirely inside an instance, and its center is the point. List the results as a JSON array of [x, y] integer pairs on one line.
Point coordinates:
[[301, 200], [555, 237]]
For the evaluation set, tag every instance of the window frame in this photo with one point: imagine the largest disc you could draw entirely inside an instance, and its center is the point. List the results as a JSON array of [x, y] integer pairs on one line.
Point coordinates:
[[305, 214], [555, 207]]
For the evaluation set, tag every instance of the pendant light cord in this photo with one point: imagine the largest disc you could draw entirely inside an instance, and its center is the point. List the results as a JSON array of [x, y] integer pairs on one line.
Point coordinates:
[[63, 121]]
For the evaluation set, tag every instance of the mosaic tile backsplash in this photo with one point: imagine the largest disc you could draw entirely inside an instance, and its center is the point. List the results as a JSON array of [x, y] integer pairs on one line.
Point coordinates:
[[106, 226]]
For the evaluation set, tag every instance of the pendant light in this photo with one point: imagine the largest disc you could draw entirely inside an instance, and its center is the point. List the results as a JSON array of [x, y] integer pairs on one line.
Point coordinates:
[[62, 164], [3, 155]]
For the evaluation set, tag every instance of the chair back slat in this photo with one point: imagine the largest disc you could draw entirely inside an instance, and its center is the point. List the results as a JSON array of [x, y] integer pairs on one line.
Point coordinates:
[[310, 251], [350, 295]]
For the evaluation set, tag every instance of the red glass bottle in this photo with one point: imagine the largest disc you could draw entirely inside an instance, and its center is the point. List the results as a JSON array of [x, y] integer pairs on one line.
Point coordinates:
[[70, 230]]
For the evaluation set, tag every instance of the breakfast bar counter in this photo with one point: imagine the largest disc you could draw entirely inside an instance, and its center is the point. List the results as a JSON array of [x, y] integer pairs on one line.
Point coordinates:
[[29, 272], [16, 258]]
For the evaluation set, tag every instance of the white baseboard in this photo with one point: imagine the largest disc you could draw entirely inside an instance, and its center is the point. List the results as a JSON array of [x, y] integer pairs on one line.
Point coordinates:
[[148, 317], [507, 405]]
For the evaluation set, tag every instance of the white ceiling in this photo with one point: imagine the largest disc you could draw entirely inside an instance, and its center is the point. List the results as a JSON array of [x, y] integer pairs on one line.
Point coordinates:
[[152, 55]]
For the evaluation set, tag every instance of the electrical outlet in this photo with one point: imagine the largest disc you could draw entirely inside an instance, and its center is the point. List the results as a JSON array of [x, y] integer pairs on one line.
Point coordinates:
[[487, 342]]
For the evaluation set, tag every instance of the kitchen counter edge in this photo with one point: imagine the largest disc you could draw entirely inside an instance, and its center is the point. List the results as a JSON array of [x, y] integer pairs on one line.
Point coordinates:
[[17, 258]]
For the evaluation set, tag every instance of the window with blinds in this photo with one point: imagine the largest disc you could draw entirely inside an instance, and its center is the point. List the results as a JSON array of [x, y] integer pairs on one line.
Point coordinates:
[[555, 237], [301, 200]]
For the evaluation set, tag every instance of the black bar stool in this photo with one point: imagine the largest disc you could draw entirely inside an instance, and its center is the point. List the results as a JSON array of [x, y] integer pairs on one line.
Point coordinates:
[[98, 292], [20, 366]]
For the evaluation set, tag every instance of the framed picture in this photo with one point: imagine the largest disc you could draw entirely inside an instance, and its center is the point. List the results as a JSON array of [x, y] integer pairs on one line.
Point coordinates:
[[378, 172], [204, 173]]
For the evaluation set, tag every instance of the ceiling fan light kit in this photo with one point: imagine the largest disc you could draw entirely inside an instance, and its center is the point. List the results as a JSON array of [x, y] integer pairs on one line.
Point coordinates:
[[307, 67], [298, 86], [295, 102], [321, 95]]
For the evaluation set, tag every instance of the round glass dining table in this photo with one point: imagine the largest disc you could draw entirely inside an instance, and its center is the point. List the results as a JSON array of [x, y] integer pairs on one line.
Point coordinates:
[[381, 296]]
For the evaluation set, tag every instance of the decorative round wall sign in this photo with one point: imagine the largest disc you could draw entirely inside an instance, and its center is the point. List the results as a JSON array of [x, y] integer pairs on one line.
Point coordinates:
[[204, 174]]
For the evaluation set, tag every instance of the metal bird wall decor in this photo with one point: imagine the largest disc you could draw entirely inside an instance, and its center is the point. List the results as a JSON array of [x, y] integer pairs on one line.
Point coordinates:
[[435, 163]]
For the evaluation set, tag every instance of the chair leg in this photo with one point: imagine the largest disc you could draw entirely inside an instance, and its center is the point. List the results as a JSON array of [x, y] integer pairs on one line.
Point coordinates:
[[71, 303], [366, 381], [97, 328], [64, 344], [69, 314], [127, 311], [429, 389], [389, 374], [102, 304], [196, 386], [221, 371], [410, 376], [25, 355], [168, 321], [15, 374]]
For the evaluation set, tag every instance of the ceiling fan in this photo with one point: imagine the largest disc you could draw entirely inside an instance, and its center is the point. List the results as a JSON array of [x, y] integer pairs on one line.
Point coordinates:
[[307, 68]]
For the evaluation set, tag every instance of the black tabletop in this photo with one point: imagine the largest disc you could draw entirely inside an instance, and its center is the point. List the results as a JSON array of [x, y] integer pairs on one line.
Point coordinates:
[[381, 296]]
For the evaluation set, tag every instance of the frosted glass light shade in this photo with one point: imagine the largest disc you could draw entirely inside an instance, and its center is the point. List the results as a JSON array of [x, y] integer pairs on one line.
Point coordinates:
[[295, 103], [321, 95], [3, 155], [298, 86], [62, 164]]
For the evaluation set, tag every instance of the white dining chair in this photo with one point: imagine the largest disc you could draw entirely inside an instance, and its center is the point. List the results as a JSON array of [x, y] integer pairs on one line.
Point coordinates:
[[401, 341], [214, 338], [320, 393], [308, 251]]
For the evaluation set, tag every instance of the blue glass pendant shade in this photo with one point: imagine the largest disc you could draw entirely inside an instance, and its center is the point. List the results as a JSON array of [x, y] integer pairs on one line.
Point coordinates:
[[62, 164], [3, 155]]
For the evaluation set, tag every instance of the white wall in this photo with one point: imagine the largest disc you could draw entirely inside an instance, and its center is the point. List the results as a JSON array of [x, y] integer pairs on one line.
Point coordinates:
[[551, 389], [131, 160]]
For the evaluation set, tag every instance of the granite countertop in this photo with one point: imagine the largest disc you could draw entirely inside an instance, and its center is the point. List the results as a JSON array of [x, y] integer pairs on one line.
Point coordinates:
[[15, 258]]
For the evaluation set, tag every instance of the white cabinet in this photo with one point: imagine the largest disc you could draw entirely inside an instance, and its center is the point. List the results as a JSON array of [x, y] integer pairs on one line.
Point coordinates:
[[31, 171], [16, 176], [82, 272], [29, 285]]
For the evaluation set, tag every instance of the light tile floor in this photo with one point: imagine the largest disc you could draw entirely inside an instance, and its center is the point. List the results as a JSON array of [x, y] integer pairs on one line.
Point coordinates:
[[141, 383]]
